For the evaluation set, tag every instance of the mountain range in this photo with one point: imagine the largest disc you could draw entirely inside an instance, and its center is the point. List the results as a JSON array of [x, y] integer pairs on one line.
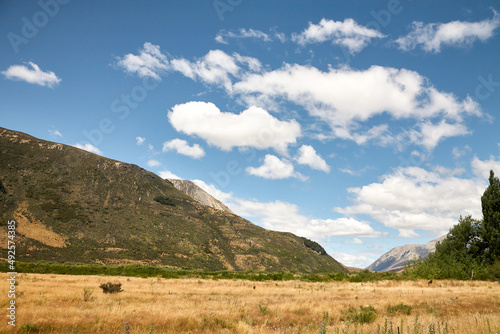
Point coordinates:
[[74, 206], [395, 259]]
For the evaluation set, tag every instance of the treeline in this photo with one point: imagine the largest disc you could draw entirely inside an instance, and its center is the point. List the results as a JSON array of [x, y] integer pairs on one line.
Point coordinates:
[[471, 249], [145, 271]]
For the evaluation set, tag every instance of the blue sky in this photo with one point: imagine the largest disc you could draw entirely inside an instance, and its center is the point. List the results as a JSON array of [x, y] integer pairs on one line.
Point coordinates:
[[362, 125]]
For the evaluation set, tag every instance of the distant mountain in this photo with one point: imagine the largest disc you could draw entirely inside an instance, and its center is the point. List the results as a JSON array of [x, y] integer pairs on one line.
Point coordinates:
[[74, 206], [198, 194], [396, 258]]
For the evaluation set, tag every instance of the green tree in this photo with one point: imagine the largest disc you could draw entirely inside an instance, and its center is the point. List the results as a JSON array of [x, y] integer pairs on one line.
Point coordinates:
[[490, 202]]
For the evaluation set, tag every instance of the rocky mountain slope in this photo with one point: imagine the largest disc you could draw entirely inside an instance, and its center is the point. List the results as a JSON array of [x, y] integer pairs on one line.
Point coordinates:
[[396, 258], [74, 206], [198, 194]]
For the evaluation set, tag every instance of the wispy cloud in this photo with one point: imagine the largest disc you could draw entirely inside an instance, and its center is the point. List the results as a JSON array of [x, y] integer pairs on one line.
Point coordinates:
[[33, 75], [140, 140], [431, 37], [347, 33], [182, 147], [89, 148], [153, 163], [223, 36], [55, 133]]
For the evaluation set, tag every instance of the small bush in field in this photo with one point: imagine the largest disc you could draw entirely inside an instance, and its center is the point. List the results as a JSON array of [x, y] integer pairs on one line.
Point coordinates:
[[362, 316], [87, 294], [111, 287], [400, 308]]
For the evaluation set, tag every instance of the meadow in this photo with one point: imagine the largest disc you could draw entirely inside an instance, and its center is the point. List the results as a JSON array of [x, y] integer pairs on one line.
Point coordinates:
[[50, 303]]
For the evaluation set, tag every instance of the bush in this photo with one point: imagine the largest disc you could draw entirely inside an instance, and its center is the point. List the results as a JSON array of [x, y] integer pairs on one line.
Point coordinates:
[[111, 287], [29, 328], [87, 294], [164, 200], [400, 308], [362, 316]]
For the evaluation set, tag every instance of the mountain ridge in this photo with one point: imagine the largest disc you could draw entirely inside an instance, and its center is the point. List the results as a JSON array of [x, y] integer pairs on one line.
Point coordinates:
[[395, 259], [74, 206], [192, 189]]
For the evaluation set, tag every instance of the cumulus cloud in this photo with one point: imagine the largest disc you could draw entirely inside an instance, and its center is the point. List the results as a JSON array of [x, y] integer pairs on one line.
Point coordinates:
[[307, 155], [33, 75], [346, 99], [334, 97], [254, 127], [433, 36], [223, 36], [275, 168], [216, 67], [182, 147], [346, 33], [149, 63], [166, 174], [153, 163], [89, 148], [140, 140], [413, 198], [482, 168], [286, 217]]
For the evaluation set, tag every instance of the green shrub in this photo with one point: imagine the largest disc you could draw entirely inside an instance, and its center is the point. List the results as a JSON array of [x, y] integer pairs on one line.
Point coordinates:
[[362, 316], [29, 328], [400, 308], [111, 287], [164, 200]]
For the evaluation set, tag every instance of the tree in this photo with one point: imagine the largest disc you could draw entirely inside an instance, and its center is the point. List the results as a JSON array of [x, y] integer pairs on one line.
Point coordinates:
[[490, 202]]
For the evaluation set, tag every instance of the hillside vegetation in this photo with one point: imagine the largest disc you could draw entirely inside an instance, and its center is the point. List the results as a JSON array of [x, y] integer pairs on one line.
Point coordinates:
[[472, 248], [74, 206]]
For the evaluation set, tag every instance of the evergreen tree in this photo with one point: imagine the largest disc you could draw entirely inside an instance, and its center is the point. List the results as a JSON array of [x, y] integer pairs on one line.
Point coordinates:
[[490, 202]]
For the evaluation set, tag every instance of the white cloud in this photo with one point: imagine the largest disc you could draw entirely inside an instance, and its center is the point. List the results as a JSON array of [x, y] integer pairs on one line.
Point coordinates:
[[149, 63], [55, 133], [413, 198], [254, 127], [286, 217], [34, 75], [308, 156], [216, 67], [140, 140], [354, 241], [430, 134], [348, 33], [458, 153], [355, 261], [345, 98], [482, 168], [275, 168], [153, 163], [166, 174], [182, 147], [89, 148], [223, 36], [433, 36]]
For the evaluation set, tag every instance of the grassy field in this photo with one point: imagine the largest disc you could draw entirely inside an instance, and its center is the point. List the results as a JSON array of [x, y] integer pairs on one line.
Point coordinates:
[[49, 303]]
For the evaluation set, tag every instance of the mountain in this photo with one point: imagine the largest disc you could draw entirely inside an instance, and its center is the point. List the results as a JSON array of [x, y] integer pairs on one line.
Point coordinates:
[[74, 206], [396, 258], [198, 194]]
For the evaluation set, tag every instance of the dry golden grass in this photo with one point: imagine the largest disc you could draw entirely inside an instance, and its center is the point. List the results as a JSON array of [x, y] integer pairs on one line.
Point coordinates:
[[55, 303]]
